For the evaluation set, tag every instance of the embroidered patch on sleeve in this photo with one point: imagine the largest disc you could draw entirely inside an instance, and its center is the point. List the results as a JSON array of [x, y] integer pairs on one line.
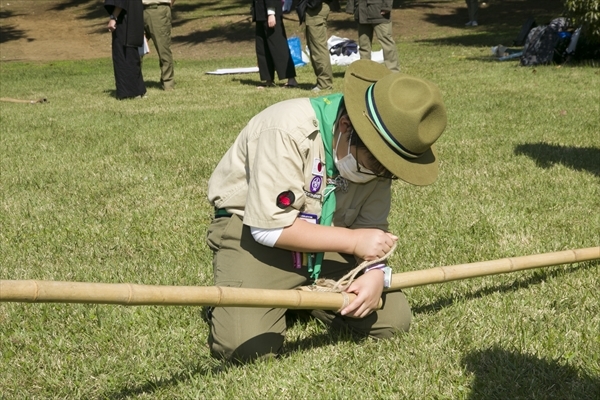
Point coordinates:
[[285, 199]]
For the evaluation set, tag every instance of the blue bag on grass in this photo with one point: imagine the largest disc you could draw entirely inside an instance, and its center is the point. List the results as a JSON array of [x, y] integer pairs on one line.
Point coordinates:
[[296, 51]]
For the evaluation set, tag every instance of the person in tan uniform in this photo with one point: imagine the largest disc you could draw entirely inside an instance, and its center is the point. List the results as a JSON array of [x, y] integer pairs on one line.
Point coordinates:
[[305, 191]]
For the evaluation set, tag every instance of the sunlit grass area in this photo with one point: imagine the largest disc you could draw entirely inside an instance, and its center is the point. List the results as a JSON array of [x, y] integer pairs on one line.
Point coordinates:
[[99, 190]]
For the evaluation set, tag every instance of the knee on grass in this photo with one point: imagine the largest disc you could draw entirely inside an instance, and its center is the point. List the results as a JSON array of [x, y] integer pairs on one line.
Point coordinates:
[[263, 346]]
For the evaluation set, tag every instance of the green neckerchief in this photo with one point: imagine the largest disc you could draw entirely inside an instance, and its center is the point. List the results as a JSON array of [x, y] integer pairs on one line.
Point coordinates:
[[326, 109]]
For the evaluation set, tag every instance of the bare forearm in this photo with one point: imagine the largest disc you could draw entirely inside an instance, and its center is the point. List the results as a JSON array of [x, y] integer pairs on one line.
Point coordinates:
[[366, 244], [307, 237]]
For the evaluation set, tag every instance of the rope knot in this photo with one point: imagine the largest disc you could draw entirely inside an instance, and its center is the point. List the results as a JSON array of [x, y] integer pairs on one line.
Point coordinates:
[[330, 285]]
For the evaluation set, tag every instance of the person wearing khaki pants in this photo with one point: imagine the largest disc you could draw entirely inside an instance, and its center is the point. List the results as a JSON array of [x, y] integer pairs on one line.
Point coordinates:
[[375, 17], [157, 27], [316, 40], [299, 196]]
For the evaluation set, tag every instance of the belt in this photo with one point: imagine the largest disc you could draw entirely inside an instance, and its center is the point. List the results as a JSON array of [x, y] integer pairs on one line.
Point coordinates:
[[221, 212], [154, 5]]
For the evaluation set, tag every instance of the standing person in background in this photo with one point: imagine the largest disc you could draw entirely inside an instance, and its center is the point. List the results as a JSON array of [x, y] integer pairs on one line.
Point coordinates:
[[314, 14], [473, 7], [272, 50], [157, 26], [374, 16], [127, 26]]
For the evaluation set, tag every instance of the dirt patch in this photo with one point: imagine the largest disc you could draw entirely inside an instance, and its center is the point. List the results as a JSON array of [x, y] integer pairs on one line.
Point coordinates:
[[45, 30]]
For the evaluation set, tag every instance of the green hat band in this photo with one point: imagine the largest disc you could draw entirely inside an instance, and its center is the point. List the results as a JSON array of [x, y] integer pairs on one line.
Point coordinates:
[[384, 132]]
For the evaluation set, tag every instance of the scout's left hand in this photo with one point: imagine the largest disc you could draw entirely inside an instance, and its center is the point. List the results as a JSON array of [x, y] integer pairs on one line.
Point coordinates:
[[368, 289], [271, 21]]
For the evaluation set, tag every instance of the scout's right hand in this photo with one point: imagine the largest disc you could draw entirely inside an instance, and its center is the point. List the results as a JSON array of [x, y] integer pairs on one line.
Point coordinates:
[[371, 244]]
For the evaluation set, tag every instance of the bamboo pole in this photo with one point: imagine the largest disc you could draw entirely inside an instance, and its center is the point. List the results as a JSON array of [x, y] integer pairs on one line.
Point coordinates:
[[34, 291], [128, 294], [465, 271]]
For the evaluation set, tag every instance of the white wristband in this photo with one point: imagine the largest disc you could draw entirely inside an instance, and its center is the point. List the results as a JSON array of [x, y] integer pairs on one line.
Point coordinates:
[[374, 266], [387, 277], [387, 273]]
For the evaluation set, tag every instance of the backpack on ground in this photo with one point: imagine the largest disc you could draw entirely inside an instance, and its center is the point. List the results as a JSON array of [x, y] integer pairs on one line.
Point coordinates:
[[546, 44], [345, 48], [525, 29]]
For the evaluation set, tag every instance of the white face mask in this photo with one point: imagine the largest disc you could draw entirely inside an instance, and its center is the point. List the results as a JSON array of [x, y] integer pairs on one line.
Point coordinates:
[[347, 165]]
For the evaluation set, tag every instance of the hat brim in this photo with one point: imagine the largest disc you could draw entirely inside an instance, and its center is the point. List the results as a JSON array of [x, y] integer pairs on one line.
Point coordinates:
[[359, 76]]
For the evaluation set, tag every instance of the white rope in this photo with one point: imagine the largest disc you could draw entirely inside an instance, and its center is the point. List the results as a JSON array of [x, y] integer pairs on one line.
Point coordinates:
[[330, 285]]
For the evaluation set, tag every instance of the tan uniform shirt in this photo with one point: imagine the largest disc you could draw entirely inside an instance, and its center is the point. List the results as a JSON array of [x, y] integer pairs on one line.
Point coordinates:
[[280, 151]]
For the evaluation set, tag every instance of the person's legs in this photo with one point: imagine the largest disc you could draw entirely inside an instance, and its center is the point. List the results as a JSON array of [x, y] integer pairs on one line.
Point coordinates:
[[245, 334], [266, 68], [157, 25], [280, 51], [241, 333], [365, 39], [316, 40], [390, 51], [394, 317], [127, 65], [473, 8]]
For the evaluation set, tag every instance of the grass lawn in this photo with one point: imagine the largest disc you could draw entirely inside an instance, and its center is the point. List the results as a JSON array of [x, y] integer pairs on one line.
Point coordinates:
[[99, 190]]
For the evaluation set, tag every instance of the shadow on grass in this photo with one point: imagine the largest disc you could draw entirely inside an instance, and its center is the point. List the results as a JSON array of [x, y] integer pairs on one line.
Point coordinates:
[[333, 334], [503, 374], [302, 87], [231, 32], [214, 367], [499, 22], [9, 32], [149, 387], [546, 155], [539, 277], [153, 84], [92, 8]]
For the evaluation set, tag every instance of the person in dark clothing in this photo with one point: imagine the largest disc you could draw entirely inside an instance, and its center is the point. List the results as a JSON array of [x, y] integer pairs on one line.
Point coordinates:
[[272, 49], [473, 7], [127, 26]]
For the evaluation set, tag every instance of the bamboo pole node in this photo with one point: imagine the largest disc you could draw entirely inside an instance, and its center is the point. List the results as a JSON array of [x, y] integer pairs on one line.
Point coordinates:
[[130, 294], [36, 292], [219, 296], [346, 299], [512, 264]]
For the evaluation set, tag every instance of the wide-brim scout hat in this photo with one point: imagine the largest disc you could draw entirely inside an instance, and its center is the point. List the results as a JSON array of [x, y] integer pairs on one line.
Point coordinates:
[[398, 117]]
